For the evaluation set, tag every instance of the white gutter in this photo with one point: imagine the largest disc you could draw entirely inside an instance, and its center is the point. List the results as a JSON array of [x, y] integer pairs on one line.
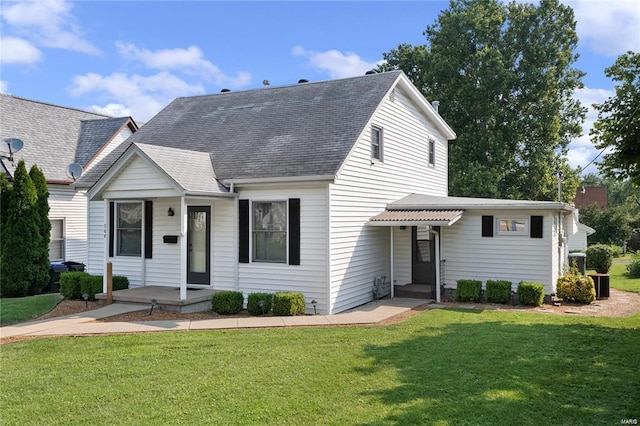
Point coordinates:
[[285, 179]]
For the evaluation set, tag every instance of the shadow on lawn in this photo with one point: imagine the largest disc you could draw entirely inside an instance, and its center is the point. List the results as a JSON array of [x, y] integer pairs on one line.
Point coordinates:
[[509, 373]]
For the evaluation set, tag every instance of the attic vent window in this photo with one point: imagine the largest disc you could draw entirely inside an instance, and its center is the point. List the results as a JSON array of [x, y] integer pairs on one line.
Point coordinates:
[[376, 143]]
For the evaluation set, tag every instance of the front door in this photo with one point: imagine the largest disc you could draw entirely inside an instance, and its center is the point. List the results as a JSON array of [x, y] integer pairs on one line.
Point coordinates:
[[198, 245], [423, 270]]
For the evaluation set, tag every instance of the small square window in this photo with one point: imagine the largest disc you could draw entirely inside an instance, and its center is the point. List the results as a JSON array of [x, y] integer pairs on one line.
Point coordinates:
[[376, 143], [432, 153]]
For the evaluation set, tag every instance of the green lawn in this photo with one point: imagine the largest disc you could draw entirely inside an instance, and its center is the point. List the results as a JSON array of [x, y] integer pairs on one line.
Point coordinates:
[[13, 310], [446, 367], [620, 279]]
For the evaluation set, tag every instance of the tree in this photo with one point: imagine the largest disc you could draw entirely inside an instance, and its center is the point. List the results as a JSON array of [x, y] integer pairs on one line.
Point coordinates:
[[503, 75], [618, 124], [20, 238], [44, 225], [613, 226]]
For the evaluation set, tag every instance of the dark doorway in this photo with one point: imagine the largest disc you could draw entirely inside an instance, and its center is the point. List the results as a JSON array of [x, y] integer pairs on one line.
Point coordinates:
[[423, 270], [199, 245]]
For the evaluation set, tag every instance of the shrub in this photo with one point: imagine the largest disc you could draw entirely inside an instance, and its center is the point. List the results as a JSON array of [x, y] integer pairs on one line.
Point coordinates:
[[468, 290], [498, 291], [599, 257], [91, 284], [227, 302], [287, 303], [120, 282], [574, 287], [634, 267], [616, 251], [71, 284], [253, 303], [530, 293]]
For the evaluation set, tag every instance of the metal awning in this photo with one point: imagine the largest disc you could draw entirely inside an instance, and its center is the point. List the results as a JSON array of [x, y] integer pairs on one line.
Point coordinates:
[[416, 217]]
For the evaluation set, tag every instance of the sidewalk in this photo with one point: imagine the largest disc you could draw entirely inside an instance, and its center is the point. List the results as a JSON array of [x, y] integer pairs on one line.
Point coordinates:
[[84, 323]]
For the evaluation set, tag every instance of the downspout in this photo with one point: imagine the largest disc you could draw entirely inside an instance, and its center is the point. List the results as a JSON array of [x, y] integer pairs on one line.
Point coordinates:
[[183, 248], [236, 201], [107, 233], [437, 235]]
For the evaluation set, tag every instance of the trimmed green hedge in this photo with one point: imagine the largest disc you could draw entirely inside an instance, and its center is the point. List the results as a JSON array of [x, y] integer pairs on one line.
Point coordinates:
[[599, 257], [498, 291], [227, 302], [74, 284], [530, 293], [633, 269], [288, 303], [468, 290], [253, 303]]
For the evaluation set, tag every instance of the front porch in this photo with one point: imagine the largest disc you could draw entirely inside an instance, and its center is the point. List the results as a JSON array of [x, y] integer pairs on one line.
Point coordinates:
[[167, 298]]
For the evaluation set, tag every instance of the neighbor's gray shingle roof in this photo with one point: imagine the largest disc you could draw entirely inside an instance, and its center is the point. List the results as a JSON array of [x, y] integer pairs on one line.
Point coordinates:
[[94, 134], [299, 130], [51, 134]]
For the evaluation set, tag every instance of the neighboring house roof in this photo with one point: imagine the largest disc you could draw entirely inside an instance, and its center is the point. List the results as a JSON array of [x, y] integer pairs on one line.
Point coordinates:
[[293, 131], [589, 230], [420, 201], [54, 136], [413, 217]]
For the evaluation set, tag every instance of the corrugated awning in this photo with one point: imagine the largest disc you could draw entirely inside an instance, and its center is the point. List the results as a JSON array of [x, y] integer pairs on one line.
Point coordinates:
[[416, 217]]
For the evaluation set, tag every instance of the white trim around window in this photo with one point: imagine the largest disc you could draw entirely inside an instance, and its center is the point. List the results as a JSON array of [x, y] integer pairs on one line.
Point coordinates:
[[129, 226], [269, 230], [512, 226], [57, 240], [377, 144], [432, 152]]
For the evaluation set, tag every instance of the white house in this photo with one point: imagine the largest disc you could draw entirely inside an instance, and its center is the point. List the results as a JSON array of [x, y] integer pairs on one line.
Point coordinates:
[[307, 188], [55, 137]]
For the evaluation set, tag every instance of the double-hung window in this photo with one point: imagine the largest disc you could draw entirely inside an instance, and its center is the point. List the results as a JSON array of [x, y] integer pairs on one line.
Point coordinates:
[[376, 143], [129, 229], [269, 231], [432, 153], [57, 241]]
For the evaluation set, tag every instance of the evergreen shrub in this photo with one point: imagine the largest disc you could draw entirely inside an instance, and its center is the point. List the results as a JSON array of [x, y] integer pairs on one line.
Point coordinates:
[[599, 257], [575, 287], [468, 290], [227, 302], [286, 303], [498, 291], [530, 293], [253, 303]]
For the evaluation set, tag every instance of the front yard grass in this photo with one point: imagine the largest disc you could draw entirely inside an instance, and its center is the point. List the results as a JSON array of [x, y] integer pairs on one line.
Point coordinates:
[[13, 310], [447, 367]]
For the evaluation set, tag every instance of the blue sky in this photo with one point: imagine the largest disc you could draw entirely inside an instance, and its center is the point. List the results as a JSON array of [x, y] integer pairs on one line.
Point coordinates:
[[133, 58]]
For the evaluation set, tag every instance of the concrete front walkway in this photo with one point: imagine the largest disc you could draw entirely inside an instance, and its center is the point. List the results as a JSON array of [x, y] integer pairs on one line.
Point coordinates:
[[84, 323]]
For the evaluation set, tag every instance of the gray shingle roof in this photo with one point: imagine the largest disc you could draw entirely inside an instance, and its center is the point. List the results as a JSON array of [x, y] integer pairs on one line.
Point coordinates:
[[51, 134], [299, 130]]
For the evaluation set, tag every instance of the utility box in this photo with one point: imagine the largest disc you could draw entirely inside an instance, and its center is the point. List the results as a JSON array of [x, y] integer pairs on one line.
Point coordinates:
[[601, 284]]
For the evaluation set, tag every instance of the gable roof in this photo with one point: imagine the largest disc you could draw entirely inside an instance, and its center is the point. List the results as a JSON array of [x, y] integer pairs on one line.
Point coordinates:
[[292, 131], [54, 136]]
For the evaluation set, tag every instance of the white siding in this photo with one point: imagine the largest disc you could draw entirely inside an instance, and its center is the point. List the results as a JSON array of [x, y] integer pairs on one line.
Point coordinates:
[[223, 245], [138, 179], [96, 238], [363, 189], [402, 255], [310, 277], [513, 258], [110, 146], [71, 206], [163, 269]]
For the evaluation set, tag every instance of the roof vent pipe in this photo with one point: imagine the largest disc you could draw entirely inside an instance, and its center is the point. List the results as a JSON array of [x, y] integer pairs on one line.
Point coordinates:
[[303, 80], [435, 105], [225, 90], [370, 72]]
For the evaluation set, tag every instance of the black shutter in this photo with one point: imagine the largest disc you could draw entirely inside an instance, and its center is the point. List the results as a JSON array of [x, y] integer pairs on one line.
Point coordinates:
[[148, 229], [112, 221], [487, 226], [536, 227], [294, 231], [243, 231]]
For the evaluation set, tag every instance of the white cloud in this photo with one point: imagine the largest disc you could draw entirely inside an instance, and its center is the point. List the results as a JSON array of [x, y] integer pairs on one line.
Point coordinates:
[[47, 23], [581, 149], [18, 51], [142, 97], [608, 27], [114, 110], [4, 86], [335, 63], [189, 61]]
